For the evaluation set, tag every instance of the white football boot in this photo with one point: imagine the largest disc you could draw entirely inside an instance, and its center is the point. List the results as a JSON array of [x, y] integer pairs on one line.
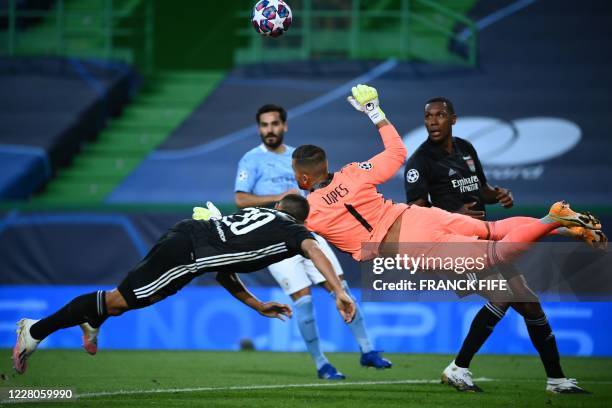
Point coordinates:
[[564, 386], [460, 378], [25, 345], [90, 338]]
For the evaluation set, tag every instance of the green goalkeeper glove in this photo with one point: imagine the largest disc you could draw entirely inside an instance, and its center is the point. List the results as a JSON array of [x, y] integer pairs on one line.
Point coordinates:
[[209, 213], [365, 99]]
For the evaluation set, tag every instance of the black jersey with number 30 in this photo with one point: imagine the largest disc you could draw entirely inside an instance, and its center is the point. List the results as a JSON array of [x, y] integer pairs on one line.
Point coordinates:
[[245, 241]]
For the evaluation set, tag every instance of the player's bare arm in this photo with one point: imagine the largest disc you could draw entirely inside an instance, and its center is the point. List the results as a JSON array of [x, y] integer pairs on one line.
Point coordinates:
[[468, 209], [465, 209], [421, 202], [344, 303], [493, 195], [311, 250], [382, 123], [232, 283], [243, 199]]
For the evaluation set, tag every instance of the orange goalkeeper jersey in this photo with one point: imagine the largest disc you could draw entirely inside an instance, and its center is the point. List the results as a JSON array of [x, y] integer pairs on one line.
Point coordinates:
[[349, 210]]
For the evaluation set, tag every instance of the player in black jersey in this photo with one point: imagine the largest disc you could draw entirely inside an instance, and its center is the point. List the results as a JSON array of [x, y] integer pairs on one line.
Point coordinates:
[[445, 172], [246, 241], [447, 169]]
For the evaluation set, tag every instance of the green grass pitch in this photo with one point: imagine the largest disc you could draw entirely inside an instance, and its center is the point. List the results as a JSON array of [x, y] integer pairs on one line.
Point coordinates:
[[263, 379]]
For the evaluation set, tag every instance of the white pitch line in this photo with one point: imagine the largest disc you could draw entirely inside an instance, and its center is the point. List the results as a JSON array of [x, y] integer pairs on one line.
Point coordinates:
[[262, 387], [280, 386]]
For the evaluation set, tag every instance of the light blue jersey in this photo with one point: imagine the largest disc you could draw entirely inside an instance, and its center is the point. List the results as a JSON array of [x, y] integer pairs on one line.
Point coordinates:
[[262, 172]]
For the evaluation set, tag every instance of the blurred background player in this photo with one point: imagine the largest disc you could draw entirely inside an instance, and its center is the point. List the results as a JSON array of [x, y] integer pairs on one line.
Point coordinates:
[[445, 172], [264, 177], [242, 242]]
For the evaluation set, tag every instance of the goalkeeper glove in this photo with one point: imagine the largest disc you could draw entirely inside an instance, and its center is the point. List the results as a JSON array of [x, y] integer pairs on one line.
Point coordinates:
[[365, 99], [209, 213]]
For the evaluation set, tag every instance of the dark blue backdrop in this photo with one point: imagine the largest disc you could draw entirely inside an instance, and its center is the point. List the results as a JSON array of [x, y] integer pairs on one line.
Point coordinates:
[[209, 318], [535, 109]]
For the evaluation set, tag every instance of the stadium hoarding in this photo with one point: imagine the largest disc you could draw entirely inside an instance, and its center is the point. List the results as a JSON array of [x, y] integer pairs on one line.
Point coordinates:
[[208, 318]]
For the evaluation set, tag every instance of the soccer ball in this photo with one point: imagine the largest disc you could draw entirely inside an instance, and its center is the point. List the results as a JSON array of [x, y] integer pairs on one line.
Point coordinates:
[[271, 17]]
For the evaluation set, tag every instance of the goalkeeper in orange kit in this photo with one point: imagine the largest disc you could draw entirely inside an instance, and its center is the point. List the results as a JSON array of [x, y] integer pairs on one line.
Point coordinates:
[[347, 210]]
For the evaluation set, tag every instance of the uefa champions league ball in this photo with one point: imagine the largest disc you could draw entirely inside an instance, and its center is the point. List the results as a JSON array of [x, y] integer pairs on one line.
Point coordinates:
[[271, 17]]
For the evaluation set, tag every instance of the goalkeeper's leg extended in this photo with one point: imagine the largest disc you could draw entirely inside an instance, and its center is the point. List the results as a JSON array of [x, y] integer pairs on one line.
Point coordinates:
[[501, 241]]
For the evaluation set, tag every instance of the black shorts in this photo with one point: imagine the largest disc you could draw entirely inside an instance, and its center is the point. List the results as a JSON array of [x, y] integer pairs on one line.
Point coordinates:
[[168, 267]]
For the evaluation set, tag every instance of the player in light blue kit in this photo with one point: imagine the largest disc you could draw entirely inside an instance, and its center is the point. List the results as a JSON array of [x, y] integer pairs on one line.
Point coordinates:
[[264, 177]]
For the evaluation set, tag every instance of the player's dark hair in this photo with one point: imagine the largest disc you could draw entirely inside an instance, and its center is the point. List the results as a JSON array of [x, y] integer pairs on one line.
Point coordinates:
[[272, 108], [296, 206], [309, 156], [446, 101]]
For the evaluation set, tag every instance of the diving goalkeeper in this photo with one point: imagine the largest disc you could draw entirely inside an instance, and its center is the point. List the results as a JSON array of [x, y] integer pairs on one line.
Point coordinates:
[[347, 210]]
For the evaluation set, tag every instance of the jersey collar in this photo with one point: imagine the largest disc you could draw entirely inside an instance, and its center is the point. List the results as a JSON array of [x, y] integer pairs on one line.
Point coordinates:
[[322, 184], [287, 215], [263, 148], [440, 152]]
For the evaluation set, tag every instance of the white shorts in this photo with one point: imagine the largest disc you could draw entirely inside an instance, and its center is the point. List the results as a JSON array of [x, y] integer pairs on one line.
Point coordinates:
[[297, 272]]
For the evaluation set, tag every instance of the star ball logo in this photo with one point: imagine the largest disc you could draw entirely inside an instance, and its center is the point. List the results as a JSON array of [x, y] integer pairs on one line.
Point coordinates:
[[365, 166], [412, 175]]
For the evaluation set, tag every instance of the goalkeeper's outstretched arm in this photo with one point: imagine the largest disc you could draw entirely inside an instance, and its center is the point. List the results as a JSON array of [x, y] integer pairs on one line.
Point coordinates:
[[385, 164]]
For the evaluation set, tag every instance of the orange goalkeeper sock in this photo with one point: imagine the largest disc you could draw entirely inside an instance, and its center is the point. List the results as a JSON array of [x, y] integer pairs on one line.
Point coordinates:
[[522, 229], [518, 239]]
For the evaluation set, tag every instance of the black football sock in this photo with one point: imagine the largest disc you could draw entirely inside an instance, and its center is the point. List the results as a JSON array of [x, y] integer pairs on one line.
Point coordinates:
[[482, 326], [544, 341], [96, 323], [90, 308]]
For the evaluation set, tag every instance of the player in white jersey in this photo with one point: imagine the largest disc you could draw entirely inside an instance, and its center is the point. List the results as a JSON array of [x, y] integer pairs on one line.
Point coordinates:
[[264, 176]]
